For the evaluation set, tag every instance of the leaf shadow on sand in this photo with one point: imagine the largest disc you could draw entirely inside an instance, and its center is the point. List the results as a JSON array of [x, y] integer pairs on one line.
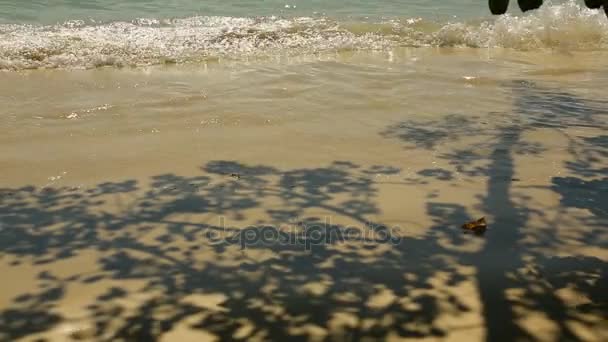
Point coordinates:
[[322, 280], [160, 260], [516, 273]]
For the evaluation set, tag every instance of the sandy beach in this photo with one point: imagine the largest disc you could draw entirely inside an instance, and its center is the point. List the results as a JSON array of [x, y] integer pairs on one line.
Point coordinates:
[[313, 198]]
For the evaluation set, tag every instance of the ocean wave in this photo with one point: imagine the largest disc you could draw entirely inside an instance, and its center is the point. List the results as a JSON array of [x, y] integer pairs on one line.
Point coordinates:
[[80, 44]]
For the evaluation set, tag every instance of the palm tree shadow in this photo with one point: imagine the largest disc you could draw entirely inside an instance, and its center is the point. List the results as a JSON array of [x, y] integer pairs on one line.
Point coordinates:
[[507, 251]]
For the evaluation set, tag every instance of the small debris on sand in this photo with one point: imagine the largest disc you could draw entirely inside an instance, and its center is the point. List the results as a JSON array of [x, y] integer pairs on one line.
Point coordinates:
[[478, 226], [235, 175]]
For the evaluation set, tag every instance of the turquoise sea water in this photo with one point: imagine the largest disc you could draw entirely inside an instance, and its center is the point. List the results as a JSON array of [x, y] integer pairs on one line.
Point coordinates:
[[51, 11], [92, 33]]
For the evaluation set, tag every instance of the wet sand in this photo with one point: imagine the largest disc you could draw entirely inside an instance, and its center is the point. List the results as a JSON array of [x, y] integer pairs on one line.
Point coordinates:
[[312, 198]]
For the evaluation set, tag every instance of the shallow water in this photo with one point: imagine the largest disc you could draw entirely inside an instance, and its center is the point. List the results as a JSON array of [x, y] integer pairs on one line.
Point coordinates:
[[93, 119]]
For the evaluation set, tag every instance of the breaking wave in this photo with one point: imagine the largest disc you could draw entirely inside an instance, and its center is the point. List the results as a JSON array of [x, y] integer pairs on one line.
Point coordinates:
[[80, 44]]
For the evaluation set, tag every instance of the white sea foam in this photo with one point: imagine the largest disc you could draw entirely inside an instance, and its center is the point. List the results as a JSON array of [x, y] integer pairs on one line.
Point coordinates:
[[80, 44]]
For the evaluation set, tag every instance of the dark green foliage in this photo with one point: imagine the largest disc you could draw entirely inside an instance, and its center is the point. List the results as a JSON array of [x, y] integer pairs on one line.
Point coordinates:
[[498, 6], [594, 3], [527, 5]]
